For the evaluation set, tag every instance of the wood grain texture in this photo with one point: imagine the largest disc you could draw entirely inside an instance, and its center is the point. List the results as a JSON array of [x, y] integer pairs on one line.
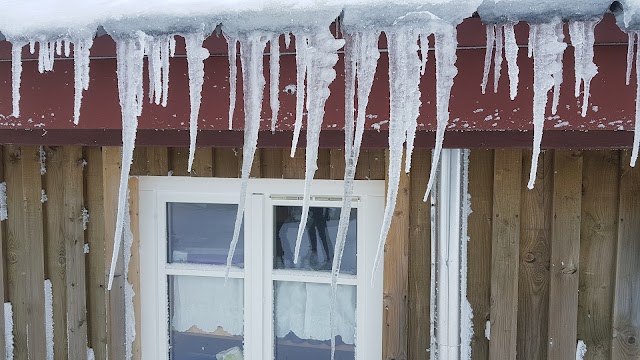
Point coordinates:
[[293, 168], [73, 230], [419, 275], [535, 250], [202, 161], [598, 242], [226, 163], [479, 247], [565, 254], [97, 257], [504, 253], [56, 250], [626, 309], [271, 163], [111, 165], [337, 164], [395, 283]]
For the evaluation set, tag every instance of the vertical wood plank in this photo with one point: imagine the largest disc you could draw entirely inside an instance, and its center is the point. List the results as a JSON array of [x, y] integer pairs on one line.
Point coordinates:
[[74, 240], [293, 168], [419, 275], [157, 161], [271, 163], [56, 257], [396, 268], [324, 164], [598, 240], [565, 254], [535, 250], [111, 165], [3, 262], [133, 275], [202, 162], [376, 165], [96, 259], [504, 253], [179, 160], [479, 245], [626, 316], [337, 164], [226, 163]]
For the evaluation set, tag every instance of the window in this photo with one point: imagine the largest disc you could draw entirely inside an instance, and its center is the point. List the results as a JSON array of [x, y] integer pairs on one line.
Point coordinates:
[[269, 307]]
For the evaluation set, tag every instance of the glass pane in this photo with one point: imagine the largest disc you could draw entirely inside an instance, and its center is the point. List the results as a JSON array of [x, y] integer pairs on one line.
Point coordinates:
[[201, 233], [318, 241], [302, 329], [206, 318]]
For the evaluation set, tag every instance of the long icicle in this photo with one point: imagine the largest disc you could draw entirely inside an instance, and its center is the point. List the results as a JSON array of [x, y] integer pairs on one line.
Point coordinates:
[[301, 74], [511, 53], [412, 96], [497, 59], [547, 51], [16, 75], [251, 55], [274, 79], [446, 71], [165, 53], [322, 57], [130, 54], [81, 52], [364, 55], [630, 44], [582, 39], [491, 40], [232, 43], [636, 130], [196, 55], [557, 75]]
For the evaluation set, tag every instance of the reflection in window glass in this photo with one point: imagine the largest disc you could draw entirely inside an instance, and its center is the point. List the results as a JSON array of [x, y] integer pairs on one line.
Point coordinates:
[[206, 317], [318, 241], [302, 329], [201, 233]]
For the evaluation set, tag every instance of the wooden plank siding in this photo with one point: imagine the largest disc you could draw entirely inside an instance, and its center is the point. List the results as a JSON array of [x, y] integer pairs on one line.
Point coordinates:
[[554, 264]]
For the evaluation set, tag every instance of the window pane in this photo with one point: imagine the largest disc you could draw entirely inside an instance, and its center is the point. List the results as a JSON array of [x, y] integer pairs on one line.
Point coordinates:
[[318, 241], [206, 317], [201, 233], [302, 329]]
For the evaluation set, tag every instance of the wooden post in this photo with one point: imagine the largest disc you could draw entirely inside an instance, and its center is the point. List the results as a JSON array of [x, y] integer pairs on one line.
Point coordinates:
[[598, 240], [73, 230], [565, 254], [626, 309], [504, 253], [395, 285]]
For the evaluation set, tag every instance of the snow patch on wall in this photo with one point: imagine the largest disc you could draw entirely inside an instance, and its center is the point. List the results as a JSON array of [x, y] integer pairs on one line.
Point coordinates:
[[581, 350], [4, 215], [85, 218], [48, 318], [90, 354], [8, 330], [43, 160], [466, 312], [129, 313], [43, 196], [487, 330]]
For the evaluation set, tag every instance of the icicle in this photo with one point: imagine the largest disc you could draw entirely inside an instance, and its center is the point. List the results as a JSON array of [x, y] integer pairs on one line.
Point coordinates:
[[251, 55], [233, 74], [16, 74], [81, 61], [582, 39], [158, 65], [196, 55], [59, 47], [165, 52], [130, 55], [172, 46], [547, 53], [511, 52], [491, 39], [67, 48], [32, 47], [321, 58], [630, 45], [497, 59], [636, 130], [361, 60], [404, 99], [287, 39], [532, 36], [424, 52], [274, 79], [301, 73], [46, 56], [557, 75], [446, 70]]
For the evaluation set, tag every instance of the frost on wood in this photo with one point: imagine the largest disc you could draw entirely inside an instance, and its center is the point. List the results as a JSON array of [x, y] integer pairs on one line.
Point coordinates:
[[85, 218], [251, 54], [547, 47], [196, 55], [43, 196], [581, 350], [8, 330], [48, 320], [4, 215], [129, 54], [361, 61], [321, 58], [504, 39], [43, 160], [582, 39]]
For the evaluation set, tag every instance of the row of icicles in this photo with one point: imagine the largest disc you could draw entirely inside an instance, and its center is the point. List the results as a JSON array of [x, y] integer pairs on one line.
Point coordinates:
[[316, 56]]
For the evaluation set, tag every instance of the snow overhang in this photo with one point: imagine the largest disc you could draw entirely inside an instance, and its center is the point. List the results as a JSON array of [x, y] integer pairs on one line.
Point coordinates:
[[538, 11]]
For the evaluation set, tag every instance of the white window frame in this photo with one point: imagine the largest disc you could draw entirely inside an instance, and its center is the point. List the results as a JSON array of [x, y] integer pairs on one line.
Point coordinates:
[[258, 274]]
